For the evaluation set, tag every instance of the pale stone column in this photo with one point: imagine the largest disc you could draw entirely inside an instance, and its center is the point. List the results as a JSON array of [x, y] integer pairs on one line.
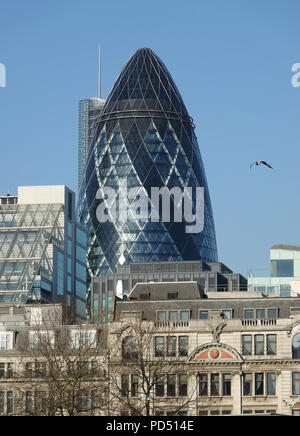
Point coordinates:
[[192, 392], [236, 392]]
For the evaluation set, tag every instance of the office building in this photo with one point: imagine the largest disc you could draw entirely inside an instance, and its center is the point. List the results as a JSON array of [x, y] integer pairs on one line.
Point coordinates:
[[211, 277], [145, 138], [283, 276], [42, 248], [169, 349], [89, 111]]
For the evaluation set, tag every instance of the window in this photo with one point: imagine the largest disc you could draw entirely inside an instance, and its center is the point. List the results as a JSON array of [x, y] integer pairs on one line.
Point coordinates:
[[247, 384], [6, 341], [39, 339], [259, 344], [6, 370], [84, 338], [203, 385], [259, 383], [246, 345], [80, 254], [296, 383], [159, 346], [296, 346], [173, 315], [260, 313], [172, 295], [129, 348], [227, 314], [183, 345], [271, 344], [271, 383], [171, 346], [81, 272], [182, 380], [282, 268], [272, 313], [161, 315], [60, 273], [248, 314], [171, 385], [203, 314], [214, 385], [124, 385], [134, 385], [6, 403], [226, 384], [159, 386], [184, 315]]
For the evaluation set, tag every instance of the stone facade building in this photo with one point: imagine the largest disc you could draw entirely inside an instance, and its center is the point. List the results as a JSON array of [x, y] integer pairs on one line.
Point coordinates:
[[169, 349]]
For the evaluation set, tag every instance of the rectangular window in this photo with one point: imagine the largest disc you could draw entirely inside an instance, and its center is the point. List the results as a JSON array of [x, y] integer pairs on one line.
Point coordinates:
[[184, 315], [214, 385], [84, 339], [203, 314], [160, 386], [227, 313], [282, 268], [271, 344], [124, 385], [259, 344], [260, 313], [247, 385], [159, 346], [272, 313], [203, 385], [248, 314], [2, 370], [81, 272], [173, 315], [271, 383], [9, 403], [134, 385], [259, 383], [182, 380], [161, 315], [296, 383], [171, 346], [81, 254], [183, 345], [171, 385], [246, 345], [81, 236], [6, 341], [226, 384], [29, 401]]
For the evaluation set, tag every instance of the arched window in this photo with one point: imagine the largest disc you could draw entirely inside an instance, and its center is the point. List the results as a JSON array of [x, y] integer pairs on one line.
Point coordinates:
[[296, 346], [129, 348]]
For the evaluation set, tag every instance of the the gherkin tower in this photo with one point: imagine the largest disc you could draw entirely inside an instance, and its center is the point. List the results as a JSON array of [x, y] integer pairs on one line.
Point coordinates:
[[146, 136]]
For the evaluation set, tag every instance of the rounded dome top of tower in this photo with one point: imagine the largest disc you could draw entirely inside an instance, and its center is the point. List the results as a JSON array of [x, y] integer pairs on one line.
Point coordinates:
[[145, 84]]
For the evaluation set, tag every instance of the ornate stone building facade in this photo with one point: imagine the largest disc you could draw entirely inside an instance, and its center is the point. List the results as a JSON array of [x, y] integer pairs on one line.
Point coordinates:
[[233, 353], [169, 349]]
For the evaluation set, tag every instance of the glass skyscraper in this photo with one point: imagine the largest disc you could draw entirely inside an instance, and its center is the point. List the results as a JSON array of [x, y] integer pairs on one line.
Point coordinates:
[[145, 136], [89, 110], [42, 248]]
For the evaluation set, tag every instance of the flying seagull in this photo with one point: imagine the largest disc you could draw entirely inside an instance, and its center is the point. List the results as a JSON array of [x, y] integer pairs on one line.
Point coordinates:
[[259, 162]]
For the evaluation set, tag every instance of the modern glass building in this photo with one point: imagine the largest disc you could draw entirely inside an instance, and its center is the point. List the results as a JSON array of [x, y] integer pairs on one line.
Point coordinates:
[[89, 110], [283, 276], [42, 248], [144, 136]]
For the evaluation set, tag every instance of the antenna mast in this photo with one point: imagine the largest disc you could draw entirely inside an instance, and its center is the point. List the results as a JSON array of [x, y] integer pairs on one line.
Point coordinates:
[[99, 73]]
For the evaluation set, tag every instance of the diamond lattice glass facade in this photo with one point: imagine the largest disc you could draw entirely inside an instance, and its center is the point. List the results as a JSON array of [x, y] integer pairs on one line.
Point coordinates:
[[146, 136], [42, 248]]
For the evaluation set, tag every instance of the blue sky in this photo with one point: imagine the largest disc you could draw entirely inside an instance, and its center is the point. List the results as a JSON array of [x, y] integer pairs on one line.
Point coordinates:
[[231, 61]]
